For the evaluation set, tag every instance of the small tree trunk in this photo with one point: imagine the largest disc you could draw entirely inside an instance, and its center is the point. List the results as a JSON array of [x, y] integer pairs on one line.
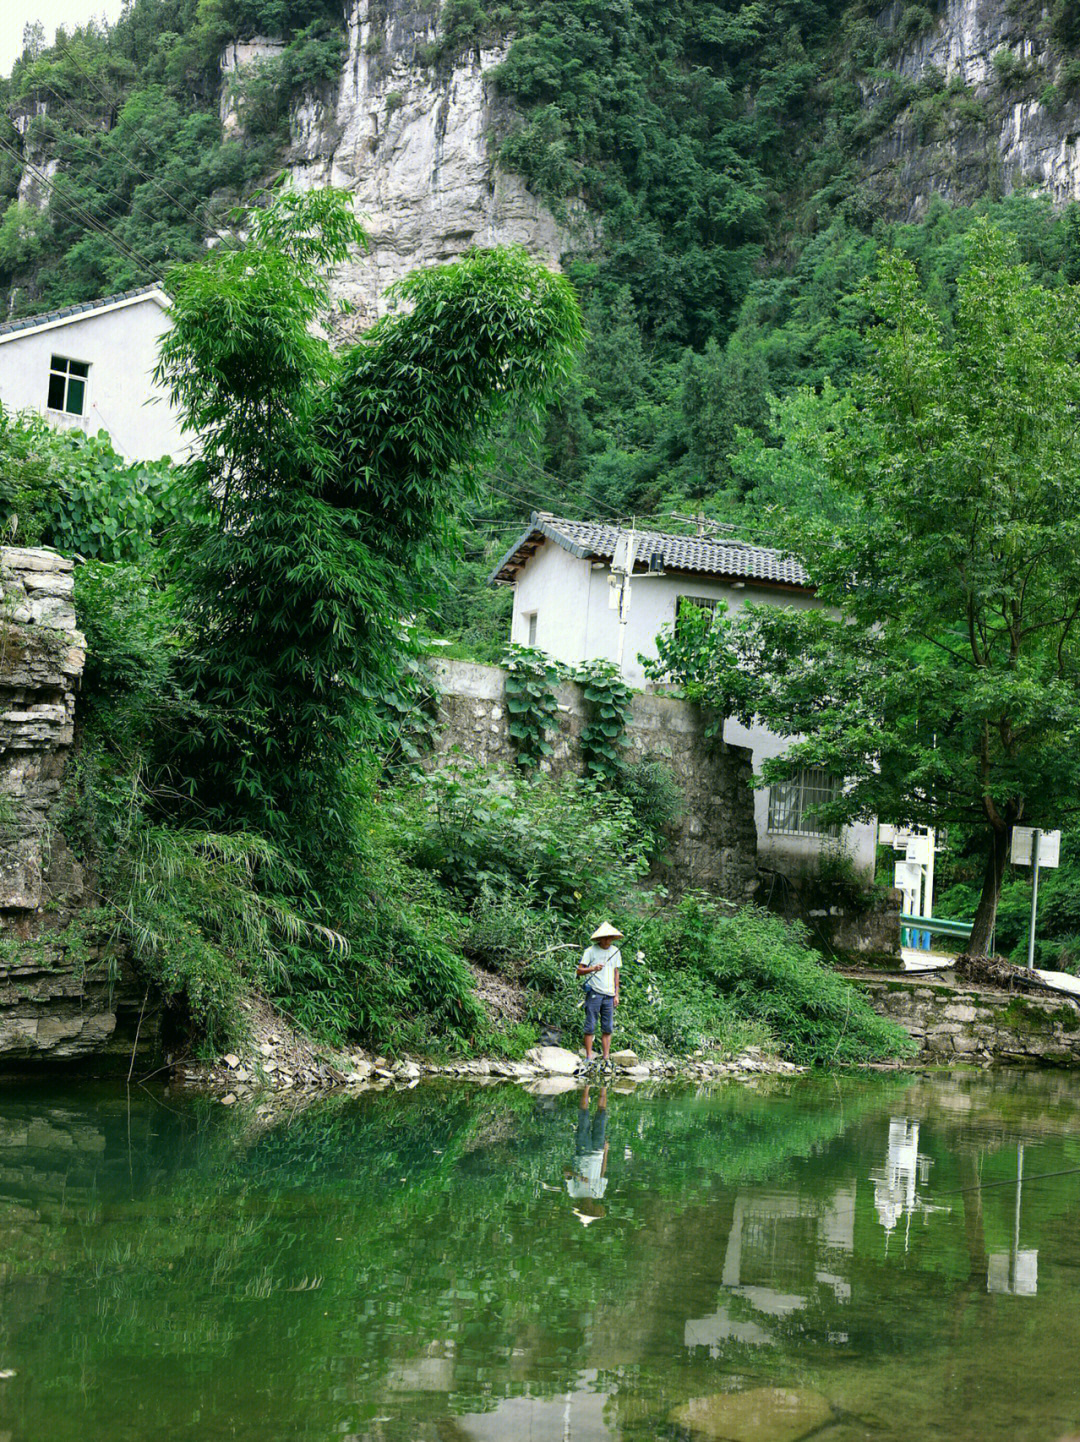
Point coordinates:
[[982, 928]]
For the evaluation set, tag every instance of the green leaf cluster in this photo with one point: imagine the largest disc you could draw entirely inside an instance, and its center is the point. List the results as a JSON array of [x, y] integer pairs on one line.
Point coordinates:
[[607, 701], [531, 703], [74, 492]]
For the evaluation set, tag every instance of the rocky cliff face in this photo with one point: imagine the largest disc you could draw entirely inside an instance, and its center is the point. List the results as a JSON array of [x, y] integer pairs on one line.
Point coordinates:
[[56, 998], [991, 115], [417, 146]]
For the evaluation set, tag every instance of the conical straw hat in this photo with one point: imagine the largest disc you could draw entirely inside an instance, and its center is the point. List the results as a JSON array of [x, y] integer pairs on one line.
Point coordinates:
[[605, 929]]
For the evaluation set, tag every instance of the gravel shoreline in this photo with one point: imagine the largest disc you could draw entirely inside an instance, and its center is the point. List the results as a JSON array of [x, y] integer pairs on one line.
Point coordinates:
[[276, 1058]]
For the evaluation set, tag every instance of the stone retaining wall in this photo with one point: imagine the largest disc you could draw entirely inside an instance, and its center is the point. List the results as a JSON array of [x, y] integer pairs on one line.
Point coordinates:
[[713, 844], [974, 1025]]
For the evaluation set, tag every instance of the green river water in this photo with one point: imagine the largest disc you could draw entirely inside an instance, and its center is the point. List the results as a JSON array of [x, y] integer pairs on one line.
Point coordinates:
[[829, 1258]]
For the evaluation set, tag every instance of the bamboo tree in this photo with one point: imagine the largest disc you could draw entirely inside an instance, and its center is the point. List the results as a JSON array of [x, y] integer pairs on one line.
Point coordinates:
[[332, 479]]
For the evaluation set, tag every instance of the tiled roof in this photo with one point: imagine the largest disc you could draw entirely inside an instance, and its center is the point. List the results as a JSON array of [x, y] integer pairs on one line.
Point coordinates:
[[72, 312], [597, 540]]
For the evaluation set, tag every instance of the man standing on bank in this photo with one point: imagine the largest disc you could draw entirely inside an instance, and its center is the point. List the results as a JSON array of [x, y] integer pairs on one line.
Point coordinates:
[[600, 965]]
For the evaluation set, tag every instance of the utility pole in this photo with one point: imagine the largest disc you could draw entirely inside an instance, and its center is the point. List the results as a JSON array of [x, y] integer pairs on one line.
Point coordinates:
[[622, 567]]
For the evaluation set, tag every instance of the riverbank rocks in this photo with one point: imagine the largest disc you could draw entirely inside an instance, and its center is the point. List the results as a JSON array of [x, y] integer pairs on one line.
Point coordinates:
[[555, 1060], [275, 1057]]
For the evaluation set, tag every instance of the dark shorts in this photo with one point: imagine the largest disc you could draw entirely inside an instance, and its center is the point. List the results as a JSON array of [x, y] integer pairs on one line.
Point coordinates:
[[597, 1005], [591, 1131]]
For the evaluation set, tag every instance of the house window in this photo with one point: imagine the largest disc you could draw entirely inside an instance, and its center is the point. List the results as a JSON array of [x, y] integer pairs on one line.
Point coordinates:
[[67, 385], [698, 603], [794, 806]]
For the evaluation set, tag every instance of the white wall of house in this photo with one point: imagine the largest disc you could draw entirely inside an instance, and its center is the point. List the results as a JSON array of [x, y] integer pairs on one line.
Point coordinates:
[[120, 345], [561, 605]]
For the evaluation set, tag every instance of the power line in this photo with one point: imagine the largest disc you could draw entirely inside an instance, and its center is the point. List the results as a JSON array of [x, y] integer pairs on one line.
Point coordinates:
[[102, 205], [77, 213], [69, 54], [127, 160], [81, 216]]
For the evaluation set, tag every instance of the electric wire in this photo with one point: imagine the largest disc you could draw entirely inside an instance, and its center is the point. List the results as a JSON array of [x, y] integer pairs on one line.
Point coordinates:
[[102, 205], [127, 161], [81, 216], [69, 54]]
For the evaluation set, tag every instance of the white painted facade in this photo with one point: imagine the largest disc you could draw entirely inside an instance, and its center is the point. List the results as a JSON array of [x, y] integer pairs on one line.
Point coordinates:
[[561, 606], [118, 344]]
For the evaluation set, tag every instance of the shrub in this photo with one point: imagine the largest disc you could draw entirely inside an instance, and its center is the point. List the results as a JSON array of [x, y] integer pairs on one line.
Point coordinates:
[[74, 492], [763, 971], [652, 791], [568, 845]]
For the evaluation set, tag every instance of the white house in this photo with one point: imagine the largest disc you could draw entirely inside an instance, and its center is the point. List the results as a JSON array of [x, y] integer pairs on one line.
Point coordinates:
[[90, 367], [560, 573]]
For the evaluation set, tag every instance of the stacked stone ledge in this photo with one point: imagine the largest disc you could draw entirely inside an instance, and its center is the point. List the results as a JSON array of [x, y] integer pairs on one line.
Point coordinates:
[[49, 1004], [963, 1025]]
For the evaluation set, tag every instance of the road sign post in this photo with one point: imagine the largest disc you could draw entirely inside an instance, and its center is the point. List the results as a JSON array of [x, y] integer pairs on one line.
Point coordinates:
[[1034, 897], [1034, 847]]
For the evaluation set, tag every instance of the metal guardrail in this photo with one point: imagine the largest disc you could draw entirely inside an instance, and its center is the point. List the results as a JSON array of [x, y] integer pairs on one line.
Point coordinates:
[[937, 925]]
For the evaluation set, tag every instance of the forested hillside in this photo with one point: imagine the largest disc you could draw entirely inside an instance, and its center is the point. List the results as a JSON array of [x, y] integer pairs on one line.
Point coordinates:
[[724, 154]]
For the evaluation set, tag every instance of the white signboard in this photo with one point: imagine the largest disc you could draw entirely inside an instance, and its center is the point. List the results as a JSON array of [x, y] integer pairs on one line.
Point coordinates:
[[907, 876], [1049, 847], [917, 850], [1016, 1274]]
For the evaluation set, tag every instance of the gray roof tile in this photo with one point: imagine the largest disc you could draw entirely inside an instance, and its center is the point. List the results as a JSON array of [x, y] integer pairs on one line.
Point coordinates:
[[703, 554], [31, 322]]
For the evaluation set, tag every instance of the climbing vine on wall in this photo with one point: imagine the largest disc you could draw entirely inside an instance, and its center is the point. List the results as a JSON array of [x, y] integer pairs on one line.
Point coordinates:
[[530, 701], [607, 701]]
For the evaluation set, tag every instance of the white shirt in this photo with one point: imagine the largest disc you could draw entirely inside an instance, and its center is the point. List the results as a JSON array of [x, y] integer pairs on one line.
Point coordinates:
[[589, 1179], [609, 959]]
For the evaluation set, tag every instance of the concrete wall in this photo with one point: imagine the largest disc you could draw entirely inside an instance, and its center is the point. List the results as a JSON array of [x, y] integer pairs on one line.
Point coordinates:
[[975, 1025], [120, 346], [712, 846], [575, 623]]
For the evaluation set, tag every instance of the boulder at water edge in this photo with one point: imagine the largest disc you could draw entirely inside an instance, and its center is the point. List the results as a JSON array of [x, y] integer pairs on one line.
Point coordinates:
[[764, 1414], [555, 1060]]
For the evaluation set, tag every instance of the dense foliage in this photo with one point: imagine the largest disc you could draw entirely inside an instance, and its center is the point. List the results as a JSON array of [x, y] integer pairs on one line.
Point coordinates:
[[944, 686], [74, 492], [716, 152], [331, 478], [531, 866]]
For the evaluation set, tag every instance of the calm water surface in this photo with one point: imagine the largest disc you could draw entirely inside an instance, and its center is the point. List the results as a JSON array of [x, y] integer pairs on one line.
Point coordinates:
[[856, 1259]]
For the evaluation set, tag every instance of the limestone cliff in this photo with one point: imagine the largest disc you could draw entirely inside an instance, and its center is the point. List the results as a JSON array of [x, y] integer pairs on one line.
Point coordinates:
[[56, 998], [991, 111], [417, 145], [982, 110]]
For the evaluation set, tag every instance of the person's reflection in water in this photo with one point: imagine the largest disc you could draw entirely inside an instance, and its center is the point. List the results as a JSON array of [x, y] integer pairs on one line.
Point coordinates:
[[586, 1180]]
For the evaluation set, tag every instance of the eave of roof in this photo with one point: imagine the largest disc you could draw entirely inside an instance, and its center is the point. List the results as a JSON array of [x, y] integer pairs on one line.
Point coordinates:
[[735, 560], [12, 329]]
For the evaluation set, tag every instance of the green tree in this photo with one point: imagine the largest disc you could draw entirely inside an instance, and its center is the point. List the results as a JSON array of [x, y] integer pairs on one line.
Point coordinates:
[[334, 479], [945, 685]]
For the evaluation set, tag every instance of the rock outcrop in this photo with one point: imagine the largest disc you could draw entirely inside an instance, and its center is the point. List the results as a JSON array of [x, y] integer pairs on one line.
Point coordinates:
[[56, 1000], [417, 145], [994, 114]]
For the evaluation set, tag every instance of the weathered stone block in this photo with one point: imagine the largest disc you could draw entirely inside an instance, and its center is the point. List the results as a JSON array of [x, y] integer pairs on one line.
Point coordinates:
[[21, 875]]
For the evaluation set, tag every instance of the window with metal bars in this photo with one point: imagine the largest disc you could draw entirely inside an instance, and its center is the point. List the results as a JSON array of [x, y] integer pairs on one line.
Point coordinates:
[[698, 603], [795, 805], [67, 385]]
